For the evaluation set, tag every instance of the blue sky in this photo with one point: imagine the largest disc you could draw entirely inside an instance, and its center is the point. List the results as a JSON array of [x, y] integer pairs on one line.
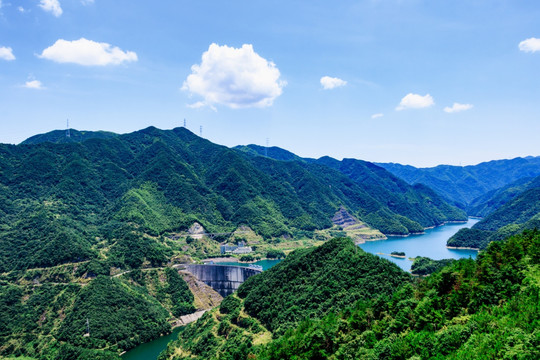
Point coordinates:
[[409, 81]]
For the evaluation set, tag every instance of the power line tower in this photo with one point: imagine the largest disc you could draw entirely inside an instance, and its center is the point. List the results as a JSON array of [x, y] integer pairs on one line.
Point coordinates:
[[200, 130], [184, 122], [67, 129], [266, 148]]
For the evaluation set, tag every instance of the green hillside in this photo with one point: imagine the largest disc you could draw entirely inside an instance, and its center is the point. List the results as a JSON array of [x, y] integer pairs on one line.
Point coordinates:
[[59, 137], [309, 283], [462, 184], [483, 309], [517, 213], [393, 206], [76, 212], [493, 200]]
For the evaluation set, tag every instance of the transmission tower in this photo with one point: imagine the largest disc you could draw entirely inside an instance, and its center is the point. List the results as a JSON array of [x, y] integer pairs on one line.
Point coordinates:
[[200, 130], [67, 129], [266, 148], [184, 122]]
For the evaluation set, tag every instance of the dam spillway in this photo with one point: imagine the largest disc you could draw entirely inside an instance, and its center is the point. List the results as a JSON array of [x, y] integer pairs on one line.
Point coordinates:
[[225, 279]]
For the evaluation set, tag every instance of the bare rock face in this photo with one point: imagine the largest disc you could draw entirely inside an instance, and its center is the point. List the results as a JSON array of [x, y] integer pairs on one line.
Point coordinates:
[[205, 297], [196, 231], [344, 219]]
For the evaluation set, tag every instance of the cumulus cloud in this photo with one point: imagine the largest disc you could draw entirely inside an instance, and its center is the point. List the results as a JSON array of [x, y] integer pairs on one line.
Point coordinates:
[[378, 115], [6, 53], [457, 107], [530, 45], [415, 101], [329, 83], [33, 84], [234, 77], [87, 52], [52, 6]]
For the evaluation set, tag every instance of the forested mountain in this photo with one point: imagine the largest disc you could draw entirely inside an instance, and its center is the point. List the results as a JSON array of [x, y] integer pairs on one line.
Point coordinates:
[[387, 193], [493, 200], [158, 181], [516, 208], [483, 309], [309, 283], [76, 212], [461, 185], [59, 137]]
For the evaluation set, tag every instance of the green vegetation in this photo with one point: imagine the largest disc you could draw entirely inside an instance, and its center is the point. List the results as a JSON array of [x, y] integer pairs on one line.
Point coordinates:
[[519, 213], [483, 309], [75, 211], [275, 254], [309, 283], [425, 266], [489, 309], [42, 318], [397, 253]]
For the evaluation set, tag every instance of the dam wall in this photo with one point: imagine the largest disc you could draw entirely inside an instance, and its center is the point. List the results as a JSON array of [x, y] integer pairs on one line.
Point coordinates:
[[225, 279]]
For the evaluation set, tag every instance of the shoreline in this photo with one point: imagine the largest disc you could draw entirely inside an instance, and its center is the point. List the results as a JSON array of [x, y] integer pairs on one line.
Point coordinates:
[[461, 248], [396, 256]]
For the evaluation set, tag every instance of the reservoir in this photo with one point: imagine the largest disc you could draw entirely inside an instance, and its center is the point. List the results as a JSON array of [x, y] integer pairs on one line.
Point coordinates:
[[432, 244], [152, 349]]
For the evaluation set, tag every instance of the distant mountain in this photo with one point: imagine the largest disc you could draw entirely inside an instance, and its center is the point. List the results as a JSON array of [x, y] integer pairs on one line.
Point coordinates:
[[392, 203], [493, 200], [461, 185], [68, 195], [272, 152], [75, 136], [514, 209]]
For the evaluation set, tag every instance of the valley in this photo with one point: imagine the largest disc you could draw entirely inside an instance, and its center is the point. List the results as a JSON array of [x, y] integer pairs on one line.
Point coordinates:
[[95, 233]]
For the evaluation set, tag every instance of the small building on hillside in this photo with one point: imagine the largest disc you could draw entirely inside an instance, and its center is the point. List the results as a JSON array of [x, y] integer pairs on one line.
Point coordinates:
[[241, 248]]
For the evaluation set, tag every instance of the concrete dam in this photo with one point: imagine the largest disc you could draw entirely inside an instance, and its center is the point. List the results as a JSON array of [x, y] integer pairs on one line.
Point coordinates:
[[225, 279]]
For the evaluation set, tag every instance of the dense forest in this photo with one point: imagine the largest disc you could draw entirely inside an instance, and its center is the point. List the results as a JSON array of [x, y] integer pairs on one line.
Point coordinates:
[[309, 283], [514, 209], [92, 227], [487, 308], [89, 226]]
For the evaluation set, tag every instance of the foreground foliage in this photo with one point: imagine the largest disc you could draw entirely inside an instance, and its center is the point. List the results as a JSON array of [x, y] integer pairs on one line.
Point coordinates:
[[309, 283], [485, 309]]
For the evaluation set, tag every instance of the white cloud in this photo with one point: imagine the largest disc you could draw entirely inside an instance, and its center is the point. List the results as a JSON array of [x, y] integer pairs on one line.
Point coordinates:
[[87, 52], [329, 83], [237, 78], [21, 9], [87, 2], [415, 101], [457, 107], [6, 53], [33, 84], [52, 6], [378, 115], [530, 45]]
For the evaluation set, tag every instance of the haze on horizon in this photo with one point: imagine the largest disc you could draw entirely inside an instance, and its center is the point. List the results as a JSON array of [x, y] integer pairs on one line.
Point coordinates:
[[406, 81]]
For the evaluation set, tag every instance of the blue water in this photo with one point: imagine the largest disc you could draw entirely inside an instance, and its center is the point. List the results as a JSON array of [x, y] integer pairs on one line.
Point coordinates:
[[432, 244], [266, 264], [152, 349]]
